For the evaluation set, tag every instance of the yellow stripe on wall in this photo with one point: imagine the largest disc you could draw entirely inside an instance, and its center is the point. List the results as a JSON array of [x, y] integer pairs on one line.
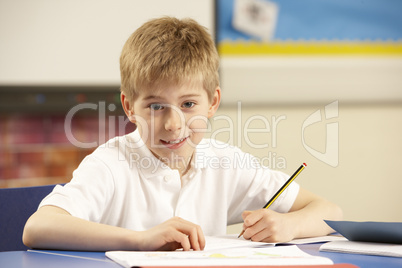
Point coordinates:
[[258, 48]]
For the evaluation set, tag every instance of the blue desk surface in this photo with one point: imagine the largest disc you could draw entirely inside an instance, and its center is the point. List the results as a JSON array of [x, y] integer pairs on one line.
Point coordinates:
[[366, 261], [61, 259], [57, 259]]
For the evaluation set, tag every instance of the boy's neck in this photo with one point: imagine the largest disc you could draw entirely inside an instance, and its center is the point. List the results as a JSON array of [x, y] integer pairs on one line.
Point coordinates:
[[183, 166], [187, 167]]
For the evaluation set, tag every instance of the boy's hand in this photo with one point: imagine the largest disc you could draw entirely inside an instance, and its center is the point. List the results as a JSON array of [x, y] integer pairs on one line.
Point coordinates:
[[173, 234], [268, 226]]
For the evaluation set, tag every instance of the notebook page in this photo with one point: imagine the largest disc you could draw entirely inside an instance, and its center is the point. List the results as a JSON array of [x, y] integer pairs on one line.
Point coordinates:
[[285, 255], [231, 241], [366, 248]]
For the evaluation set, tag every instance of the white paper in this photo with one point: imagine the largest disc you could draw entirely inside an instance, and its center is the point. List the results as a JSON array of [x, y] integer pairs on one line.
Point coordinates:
[[231, 241], [366, 248], [232, 255]]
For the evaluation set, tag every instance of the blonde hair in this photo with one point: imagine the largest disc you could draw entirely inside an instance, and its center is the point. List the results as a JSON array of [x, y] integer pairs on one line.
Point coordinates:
[[168, 50]]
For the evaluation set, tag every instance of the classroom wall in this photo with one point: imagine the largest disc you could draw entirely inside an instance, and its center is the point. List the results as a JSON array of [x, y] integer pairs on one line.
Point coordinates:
[[364, 178], [365, 182], [48, 42]]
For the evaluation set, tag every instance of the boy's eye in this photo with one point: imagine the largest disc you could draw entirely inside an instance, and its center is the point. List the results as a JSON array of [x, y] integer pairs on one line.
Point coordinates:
[[188, 104], [156, 106]]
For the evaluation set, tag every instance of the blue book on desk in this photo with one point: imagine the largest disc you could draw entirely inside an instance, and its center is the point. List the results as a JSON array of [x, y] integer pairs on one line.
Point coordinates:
[[380, 232], [369, 238]]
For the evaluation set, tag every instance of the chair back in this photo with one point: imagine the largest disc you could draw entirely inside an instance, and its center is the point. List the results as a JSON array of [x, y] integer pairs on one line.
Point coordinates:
[[16, 206]]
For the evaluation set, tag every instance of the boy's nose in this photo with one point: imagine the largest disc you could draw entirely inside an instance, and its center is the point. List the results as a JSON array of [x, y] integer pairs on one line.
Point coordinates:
[[174, 119]]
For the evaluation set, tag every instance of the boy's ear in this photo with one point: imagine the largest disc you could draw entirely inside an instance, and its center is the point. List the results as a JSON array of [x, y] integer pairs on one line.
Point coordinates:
[[127, 107], [216, 100]]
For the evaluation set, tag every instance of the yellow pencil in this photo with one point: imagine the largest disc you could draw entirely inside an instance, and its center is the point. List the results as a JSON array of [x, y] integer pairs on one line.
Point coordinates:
[[280, 191]]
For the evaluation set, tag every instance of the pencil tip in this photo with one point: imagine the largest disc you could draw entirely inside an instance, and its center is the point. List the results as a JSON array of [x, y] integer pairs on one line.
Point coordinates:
[[242, 232]]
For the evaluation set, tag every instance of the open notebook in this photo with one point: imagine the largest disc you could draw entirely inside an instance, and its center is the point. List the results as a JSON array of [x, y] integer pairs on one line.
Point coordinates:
[[225, 250]]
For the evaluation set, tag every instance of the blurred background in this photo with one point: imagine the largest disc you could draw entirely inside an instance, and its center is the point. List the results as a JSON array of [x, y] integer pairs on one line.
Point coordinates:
[[303, 81]]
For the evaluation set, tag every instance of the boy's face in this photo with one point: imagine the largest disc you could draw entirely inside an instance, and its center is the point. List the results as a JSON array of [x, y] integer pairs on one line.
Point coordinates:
[[173, 120]]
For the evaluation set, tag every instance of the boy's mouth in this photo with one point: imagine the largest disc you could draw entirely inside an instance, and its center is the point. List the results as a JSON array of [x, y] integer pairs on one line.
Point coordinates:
[[174, 143]]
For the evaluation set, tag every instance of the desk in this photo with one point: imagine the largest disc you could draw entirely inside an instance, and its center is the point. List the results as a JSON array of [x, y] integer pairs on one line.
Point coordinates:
[[64, 259], [364, 261], [55, 259]]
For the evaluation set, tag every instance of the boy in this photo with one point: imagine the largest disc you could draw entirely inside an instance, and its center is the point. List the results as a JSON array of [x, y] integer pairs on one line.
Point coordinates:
[[163, 186]]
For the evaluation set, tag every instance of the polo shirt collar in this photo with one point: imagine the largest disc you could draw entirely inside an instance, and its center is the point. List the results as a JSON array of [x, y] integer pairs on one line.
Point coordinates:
[[202, 154], [150, 166]]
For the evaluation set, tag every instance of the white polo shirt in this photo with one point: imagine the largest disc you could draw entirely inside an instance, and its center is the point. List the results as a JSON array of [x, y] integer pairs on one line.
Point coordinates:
[[123, 184]]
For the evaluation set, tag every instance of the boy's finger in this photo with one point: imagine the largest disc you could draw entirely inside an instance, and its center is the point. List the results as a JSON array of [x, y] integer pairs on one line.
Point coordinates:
[[195, 244], [263, 235], [183, 240], [245, 214], [197, 238], [171, 246], [194, 234], [201, 239], [252, 218]]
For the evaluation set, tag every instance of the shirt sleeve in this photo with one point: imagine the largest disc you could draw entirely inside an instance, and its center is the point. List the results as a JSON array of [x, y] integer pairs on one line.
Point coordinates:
[[87, 195]]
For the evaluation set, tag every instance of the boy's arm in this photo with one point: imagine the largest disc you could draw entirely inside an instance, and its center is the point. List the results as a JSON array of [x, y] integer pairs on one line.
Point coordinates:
[[54, 228], [305, 219]]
